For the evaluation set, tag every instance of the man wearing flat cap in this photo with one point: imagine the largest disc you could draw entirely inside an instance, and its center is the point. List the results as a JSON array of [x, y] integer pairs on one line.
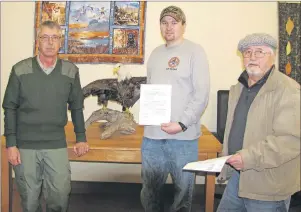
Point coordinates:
[[166, 149], [262, 133]]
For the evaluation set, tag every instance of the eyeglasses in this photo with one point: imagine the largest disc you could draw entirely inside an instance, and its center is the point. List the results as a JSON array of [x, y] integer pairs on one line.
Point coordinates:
[[46, 38], [257, 53]]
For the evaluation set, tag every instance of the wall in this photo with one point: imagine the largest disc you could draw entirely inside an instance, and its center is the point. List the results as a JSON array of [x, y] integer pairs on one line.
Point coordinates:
[[217, 26]]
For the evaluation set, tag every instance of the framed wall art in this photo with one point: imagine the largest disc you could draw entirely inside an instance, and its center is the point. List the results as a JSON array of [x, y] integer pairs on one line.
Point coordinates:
[[97, 32]]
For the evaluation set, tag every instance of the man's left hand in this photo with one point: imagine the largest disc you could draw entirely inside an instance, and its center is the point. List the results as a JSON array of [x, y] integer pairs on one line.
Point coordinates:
[[171, 128], [236, 161], [81, 148]]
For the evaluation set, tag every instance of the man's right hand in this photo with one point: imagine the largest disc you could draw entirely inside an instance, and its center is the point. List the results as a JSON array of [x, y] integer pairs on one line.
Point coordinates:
[[14, 155]]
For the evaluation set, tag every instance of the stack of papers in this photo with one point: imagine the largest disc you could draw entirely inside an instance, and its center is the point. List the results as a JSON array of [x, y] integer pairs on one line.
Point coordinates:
[[210, 165]]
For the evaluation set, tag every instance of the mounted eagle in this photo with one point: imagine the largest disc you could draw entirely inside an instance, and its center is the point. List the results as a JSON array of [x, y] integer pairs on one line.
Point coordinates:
[[125, 90]]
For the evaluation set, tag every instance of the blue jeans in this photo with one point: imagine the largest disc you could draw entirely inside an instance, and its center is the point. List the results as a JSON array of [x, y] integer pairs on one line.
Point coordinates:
[[232, 202], [159, 158]]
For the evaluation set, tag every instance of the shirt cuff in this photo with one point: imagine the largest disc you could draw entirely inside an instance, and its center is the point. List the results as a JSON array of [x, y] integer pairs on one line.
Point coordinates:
[[185, 121], [81, 137], [11, 141], [246, 159]]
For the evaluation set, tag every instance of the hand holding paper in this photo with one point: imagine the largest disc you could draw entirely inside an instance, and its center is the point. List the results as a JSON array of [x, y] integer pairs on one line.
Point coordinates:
[[171, 128], [210, 165], [236, 161]]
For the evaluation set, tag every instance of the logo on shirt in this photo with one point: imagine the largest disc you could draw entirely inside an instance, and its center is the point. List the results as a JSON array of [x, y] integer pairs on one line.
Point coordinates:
[[173, 63]]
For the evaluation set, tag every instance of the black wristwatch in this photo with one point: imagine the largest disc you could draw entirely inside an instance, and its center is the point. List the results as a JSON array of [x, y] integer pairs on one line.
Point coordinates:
[[184, 128]]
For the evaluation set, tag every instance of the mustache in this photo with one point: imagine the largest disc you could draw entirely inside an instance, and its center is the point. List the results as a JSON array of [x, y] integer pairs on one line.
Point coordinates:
[[252, 63]]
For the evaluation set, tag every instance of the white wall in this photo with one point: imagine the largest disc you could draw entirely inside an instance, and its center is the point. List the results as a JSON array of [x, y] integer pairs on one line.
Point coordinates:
[[217, 26]]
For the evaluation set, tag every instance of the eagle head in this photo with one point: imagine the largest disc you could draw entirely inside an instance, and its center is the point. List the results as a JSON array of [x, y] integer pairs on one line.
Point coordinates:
[[117, 68]]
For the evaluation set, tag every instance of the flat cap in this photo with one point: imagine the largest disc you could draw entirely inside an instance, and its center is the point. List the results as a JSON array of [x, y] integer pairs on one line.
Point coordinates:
[[257, 39], [175, 12]]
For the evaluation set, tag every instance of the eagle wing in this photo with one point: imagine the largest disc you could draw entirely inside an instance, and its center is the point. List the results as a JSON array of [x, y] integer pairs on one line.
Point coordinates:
[[130, 90], [125, 92], [104, 89]]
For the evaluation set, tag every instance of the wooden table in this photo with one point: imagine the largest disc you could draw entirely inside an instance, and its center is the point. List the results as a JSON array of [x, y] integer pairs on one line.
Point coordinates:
[[121, 149]]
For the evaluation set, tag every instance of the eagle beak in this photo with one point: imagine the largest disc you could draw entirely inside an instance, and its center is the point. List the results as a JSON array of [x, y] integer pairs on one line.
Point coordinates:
[[115, 70]]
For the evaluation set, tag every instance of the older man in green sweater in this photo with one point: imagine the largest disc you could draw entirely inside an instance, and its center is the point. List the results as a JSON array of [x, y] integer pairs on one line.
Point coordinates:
[[35, 109]]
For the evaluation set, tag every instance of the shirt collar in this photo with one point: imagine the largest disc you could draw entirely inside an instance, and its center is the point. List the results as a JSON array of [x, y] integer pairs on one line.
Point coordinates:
[[243, 78], [42, 66]]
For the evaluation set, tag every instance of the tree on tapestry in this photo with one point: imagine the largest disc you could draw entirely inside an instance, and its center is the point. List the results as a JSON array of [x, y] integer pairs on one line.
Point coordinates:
[[289, 39], [96, 32]]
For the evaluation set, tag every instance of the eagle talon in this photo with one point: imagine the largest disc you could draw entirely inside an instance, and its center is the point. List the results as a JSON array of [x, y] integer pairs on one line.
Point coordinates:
[[128, 113]]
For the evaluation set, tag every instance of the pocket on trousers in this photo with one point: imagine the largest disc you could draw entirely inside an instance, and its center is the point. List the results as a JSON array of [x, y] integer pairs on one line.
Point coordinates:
[[20, 180], [145, 143], [280, 206]]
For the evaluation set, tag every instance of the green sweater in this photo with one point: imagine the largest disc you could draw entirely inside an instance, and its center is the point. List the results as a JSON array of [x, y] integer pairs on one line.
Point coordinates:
[[35, 105]]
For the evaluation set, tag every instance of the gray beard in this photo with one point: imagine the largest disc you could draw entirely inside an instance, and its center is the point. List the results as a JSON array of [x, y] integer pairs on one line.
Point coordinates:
[[255, 73]]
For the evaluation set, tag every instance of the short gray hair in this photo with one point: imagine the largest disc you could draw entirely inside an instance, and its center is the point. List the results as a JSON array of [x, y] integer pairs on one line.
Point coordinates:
[[49, 24]]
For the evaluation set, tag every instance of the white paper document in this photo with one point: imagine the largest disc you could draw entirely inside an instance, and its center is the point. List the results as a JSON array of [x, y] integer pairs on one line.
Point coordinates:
[[210, 165], [155, 104]]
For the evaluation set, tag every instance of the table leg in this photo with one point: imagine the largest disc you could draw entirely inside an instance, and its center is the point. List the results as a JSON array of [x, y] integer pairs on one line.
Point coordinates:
[[210, 187], [5, 194]]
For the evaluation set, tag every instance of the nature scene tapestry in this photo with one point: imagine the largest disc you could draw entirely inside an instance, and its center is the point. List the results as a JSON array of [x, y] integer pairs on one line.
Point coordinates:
[[289, 39], [97, 32]]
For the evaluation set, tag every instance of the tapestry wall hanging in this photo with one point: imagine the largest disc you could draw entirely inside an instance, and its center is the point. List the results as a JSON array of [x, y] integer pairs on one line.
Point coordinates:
[[289, 39], [97, 32]]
